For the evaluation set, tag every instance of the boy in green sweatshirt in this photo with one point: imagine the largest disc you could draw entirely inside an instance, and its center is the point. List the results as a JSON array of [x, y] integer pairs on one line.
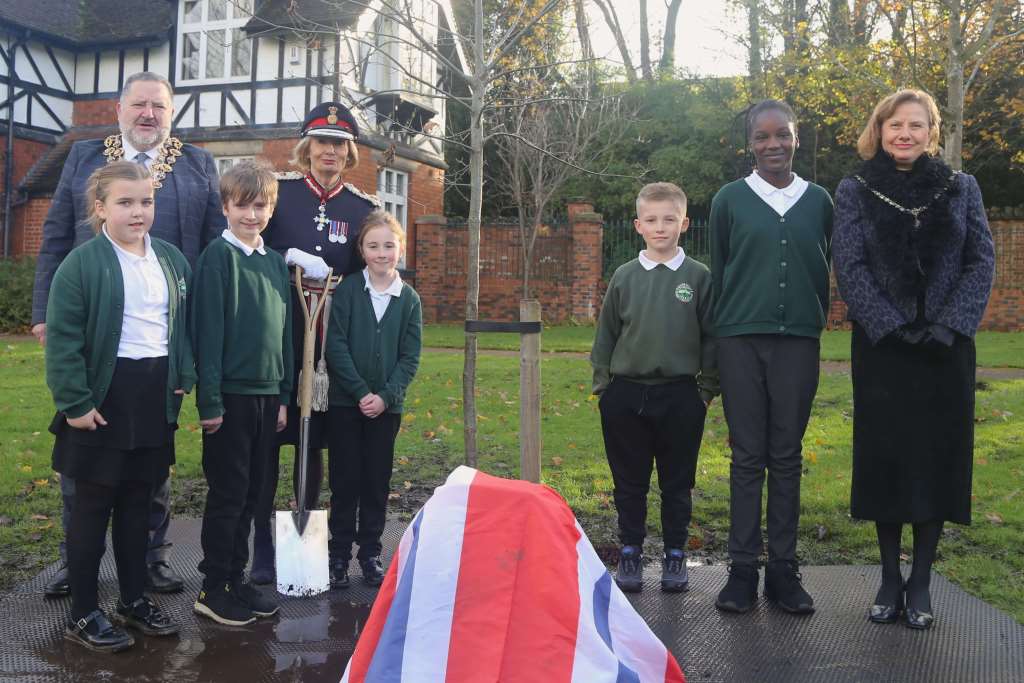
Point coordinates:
[[241, 331], [655, 371]]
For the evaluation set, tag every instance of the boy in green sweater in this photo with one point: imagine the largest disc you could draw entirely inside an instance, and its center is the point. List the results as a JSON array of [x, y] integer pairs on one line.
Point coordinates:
[[654, 369], [241, 331]]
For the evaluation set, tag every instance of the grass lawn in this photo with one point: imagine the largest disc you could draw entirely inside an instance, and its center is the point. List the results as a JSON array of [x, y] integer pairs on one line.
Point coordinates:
[[984, 558], [995, 349]]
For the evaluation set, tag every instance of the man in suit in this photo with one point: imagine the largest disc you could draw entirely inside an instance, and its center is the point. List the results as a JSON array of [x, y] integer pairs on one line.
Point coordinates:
[[188, 215]]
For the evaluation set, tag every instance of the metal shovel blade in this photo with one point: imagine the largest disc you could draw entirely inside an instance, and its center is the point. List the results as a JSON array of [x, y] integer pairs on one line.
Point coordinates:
[[301, 557]]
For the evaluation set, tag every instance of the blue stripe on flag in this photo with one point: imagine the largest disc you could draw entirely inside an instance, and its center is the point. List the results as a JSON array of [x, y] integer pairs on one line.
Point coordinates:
[[386, 665], [602, 600]]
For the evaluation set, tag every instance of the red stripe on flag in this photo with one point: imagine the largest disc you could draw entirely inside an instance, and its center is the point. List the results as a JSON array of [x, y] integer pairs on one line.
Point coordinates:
[[370, 636], [517, 601], [673, 674]]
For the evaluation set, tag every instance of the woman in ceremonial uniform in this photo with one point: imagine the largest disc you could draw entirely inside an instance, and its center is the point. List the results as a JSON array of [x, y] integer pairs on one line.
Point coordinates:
[[315, 226]]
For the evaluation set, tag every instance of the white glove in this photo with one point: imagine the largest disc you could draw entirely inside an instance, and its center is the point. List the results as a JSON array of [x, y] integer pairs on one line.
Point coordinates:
[[313, 267]]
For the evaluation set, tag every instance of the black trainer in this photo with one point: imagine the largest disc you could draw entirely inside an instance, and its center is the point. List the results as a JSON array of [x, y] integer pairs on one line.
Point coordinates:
[[250, 596], [782, 586], [630, 572], [740, 592], [143, 615], [339, 575], [95, 632], [674, 576], [373, 571], [223, 606]]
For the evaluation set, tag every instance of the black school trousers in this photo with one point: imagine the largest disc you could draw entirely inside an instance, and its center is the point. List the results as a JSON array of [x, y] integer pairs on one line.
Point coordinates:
[[768, 384], [360, 457], [234, 462], [646, 425]]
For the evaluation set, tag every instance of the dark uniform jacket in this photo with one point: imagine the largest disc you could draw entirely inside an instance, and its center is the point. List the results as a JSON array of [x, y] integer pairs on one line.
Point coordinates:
[[188, 211]]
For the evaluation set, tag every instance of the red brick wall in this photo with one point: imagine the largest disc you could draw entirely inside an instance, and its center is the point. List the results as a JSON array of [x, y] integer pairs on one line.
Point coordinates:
[[26, 219], [94, 113], [444, 294], [1005, 312]]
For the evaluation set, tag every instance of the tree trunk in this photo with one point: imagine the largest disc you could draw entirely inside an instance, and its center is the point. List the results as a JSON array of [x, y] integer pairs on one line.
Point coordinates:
[[953, 151], [668, 44], [612, 20], [645, 44], [583, 31], [477, 87], [755, 77]]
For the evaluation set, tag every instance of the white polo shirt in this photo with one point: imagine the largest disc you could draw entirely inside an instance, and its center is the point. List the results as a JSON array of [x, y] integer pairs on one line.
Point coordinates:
[[781, 199], [146, 301], [380, 300]]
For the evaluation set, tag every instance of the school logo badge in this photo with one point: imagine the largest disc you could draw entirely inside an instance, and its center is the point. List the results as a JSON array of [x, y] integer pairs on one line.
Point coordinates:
[[684, 293]]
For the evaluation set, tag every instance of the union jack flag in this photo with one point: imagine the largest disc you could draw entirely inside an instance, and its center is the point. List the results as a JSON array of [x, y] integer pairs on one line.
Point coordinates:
[[494, 581]]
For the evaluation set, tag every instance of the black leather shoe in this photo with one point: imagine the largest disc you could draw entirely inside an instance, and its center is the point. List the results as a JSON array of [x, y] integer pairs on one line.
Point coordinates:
[[674, 576], [143, 615], [339, 575], [96, 633], [59, 585], [160, 578], [783, 587], [887, 614], [629, 575], [373, 571], [921, 621], [740, 591]]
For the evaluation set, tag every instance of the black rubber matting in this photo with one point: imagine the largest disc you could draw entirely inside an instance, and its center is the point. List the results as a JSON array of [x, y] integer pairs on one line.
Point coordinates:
[[312, 638]]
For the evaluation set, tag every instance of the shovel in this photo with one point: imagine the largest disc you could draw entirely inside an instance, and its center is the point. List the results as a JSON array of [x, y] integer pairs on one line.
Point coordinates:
[[301, 536]]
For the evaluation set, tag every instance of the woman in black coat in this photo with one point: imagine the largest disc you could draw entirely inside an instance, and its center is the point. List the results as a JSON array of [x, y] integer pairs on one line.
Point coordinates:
[[914, 262]]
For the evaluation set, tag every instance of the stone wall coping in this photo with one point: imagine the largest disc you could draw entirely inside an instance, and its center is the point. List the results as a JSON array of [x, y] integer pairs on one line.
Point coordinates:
[[431, 220], [588, 217]]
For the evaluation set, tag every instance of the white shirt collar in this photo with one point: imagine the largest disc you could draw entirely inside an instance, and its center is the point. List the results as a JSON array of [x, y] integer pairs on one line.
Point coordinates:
[[766, 189], [149, 256], [130, 152], [672, 264], [394, 289], [246, 249]]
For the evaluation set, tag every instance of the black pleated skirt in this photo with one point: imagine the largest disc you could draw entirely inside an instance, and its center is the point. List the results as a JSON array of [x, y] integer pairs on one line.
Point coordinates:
[[137, 444], [913, 430]]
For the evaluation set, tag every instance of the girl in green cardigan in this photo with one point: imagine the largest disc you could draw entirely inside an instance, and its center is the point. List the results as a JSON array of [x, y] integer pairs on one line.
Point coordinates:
[[373, 351], [117, 363]]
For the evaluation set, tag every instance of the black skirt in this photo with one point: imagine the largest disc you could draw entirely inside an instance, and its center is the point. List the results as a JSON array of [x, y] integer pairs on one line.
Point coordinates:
[[137, 444], [913, 430]]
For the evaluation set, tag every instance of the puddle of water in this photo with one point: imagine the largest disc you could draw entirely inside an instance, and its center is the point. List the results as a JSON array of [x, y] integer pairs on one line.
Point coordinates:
[[311, 648]]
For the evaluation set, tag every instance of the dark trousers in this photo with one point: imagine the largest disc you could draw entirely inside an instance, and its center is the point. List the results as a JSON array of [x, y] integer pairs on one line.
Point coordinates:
[[360, 457], [644, 425], [768, 385], [234, 460], [262, 536], [94, 504], [159, 548]]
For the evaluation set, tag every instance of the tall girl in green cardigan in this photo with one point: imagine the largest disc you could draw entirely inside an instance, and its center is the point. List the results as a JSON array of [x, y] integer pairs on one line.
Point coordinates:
[[373, 350], [118, 361], [770, 237]]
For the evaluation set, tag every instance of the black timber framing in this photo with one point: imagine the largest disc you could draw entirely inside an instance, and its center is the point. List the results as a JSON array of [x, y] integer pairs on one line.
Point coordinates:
[[60, 71], [253, 65], [46, 108], [96, 74], [145, 59], [120, 70], [32, 63], [230, 97]]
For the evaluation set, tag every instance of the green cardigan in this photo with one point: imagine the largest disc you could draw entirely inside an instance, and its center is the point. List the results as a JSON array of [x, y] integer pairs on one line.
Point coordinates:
[[369, 357], [770, 272], [83, 326]]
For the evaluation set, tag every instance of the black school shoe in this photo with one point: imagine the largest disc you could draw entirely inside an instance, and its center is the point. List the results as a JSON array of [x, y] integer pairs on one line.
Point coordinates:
[[222, 605], [782, 586], [160, 578], [339, 575], [250, 596], [59, 584], [143, 615], [96, 633], [740, 592], [630, 573], [674, 575], [373, 571]]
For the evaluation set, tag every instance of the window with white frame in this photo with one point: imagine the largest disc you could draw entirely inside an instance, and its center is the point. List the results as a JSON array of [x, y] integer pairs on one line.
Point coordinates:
[[212, 44], [393, 191], [226, 162]]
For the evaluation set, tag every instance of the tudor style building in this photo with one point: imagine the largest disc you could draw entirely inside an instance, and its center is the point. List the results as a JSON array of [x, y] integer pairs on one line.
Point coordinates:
[[244, 72]]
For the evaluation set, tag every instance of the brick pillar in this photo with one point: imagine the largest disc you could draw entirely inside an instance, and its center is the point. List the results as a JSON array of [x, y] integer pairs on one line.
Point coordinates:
[[429, 258], [587, 228]]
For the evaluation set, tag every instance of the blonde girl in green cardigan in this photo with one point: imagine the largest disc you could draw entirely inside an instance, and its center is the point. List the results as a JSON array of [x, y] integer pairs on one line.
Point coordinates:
[[117, 363]]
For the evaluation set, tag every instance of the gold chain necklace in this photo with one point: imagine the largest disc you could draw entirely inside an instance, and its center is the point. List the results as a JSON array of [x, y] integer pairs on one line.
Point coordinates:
[[916, 211], [167, 155]]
